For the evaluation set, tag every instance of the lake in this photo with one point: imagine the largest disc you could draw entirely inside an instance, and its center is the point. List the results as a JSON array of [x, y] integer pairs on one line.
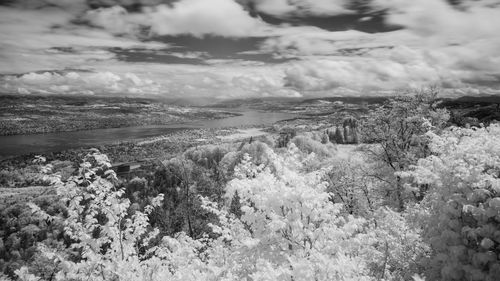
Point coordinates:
[[52, 142]]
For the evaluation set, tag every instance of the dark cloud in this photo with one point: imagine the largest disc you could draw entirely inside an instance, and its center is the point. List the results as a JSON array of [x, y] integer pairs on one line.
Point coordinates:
[[371, 23], [130, 5], [358, 15], [75, 5], [286, 8], [218, 47], [159, 56]]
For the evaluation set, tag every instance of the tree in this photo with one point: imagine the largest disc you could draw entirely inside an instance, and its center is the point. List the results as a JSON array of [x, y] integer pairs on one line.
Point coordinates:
[[339, 136], [350, 125], [461, 211], [182, 182], [287, 229], [324, 138], [110, 242], [349, 185], [347, 134], [397, 136], [285, 137]]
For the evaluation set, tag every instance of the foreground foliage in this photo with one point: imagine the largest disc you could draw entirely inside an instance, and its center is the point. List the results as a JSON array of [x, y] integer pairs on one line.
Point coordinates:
[[288, 229], [461, 211], [304, 210]]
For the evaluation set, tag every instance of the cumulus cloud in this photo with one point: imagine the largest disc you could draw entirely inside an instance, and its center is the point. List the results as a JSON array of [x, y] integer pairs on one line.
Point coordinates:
[[113, 19], [102, 83], [219, 81], [198, 18], [382, 69], [201, 17], [456, 48], [231, 79], [379, 77], [439, 20], [32, 40], [194, 17], [361, 75]]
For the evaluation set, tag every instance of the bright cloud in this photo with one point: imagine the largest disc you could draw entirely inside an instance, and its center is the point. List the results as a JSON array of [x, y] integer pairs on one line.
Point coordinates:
[[194, 17], [203, 83], [201, 17], [438, 20], [457, 49], [106, 83], [113, 19], [361, 75]]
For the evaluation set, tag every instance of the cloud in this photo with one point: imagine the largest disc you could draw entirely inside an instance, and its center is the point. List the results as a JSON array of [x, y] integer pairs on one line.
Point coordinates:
[[380, 69], [379, 77], [456, 48], [359, 74], [113, 19], [298, 42], [51, 45], [73, 83], [205, 83], [127, 3], [78, 46], [201, 17], [73, 5], [46, 39], [439, 20], [284, 8], [195, 17], [218, 80]]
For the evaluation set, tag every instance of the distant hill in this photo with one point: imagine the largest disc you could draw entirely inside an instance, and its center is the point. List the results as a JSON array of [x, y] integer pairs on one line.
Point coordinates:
[[351, 100], [465, 101]]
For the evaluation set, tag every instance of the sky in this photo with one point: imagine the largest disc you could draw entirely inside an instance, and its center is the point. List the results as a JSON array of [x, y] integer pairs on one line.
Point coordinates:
[[206, 50]]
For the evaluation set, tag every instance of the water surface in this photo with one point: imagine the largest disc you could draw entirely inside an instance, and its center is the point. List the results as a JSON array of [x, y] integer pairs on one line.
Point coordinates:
[[51, 142]]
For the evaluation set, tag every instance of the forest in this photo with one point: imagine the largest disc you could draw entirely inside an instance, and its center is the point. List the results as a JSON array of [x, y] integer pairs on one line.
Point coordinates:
[[409, 191]]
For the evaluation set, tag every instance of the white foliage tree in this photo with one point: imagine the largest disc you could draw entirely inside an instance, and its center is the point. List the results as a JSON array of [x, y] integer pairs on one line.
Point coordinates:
[[461, 211], [289, 229], [112, 243]]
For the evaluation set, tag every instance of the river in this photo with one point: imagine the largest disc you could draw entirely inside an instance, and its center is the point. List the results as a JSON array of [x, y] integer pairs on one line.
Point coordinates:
[[52, 142]]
